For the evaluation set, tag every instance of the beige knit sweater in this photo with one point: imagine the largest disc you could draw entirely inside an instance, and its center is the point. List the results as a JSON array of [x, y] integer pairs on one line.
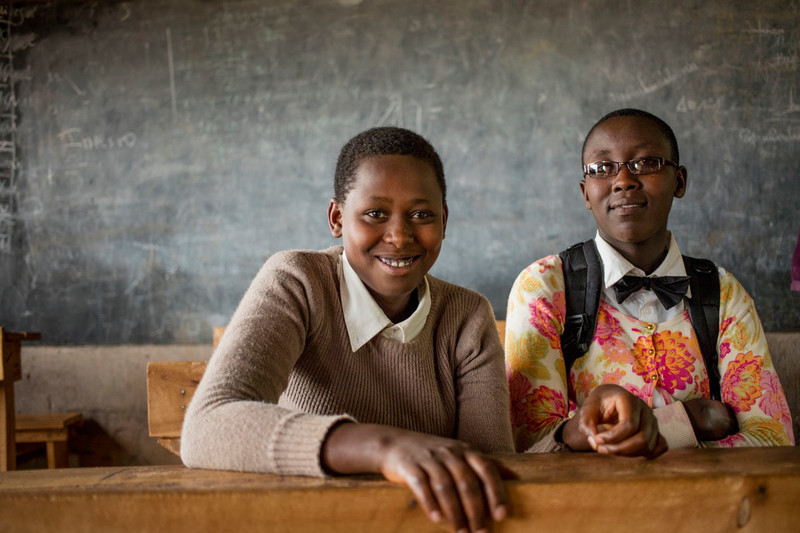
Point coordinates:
[[284, 374]]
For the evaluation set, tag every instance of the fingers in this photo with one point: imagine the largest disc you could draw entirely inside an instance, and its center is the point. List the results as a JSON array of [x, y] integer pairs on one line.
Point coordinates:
[[460, 494], [622, 418], [626, 425], [493, 486], [588, 417], [449, 479], [459, 486], [417, 480]]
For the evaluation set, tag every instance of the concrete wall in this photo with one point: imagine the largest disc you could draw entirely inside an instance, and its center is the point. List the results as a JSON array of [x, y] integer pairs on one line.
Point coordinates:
[[108, 385]]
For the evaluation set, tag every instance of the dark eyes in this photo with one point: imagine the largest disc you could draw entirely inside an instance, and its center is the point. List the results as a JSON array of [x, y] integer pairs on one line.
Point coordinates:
[[379, 214], [375, 213]]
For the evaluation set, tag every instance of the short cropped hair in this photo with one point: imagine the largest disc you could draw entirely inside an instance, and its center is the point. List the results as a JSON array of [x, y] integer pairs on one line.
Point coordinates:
[[385, 140], [630, 112]]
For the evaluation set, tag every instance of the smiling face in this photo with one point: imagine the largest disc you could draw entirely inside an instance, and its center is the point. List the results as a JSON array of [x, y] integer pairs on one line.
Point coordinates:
[[392, 223], [631, 210]]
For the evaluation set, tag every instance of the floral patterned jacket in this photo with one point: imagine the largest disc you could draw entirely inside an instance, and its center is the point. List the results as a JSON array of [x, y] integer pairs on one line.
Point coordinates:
[[646, 359]]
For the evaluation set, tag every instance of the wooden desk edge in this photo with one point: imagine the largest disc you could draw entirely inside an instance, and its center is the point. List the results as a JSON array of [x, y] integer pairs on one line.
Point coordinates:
[[22, 336], [707, 490]]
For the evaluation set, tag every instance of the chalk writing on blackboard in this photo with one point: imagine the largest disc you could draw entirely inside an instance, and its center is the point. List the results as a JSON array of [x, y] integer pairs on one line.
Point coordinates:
[[16, 15], [655, 82], [73, 138], [771, 136], [8, 121]]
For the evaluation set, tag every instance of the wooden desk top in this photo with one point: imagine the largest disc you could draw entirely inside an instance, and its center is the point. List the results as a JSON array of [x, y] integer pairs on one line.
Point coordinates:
[[752, 489]]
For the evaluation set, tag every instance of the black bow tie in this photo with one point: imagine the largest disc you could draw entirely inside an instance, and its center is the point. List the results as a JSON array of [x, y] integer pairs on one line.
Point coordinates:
[[669, 289]]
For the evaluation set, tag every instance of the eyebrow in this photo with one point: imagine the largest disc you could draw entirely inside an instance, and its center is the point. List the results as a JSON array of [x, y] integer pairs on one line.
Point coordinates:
[[390, 200], [605, 152]]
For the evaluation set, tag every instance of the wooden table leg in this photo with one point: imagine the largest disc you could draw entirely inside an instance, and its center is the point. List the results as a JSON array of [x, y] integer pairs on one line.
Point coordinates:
[[8, 444], [57, 454]]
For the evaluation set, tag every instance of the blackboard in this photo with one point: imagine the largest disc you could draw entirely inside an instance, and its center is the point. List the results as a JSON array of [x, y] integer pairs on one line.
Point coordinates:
[[160, 150]]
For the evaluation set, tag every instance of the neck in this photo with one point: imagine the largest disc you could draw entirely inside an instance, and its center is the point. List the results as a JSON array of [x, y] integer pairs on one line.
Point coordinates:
[[398, 311], [645, 255]]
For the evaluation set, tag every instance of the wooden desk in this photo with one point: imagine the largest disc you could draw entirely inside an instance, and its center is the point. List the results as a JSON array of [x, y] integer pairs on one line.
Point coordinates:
[[753, 489], [10, 371]]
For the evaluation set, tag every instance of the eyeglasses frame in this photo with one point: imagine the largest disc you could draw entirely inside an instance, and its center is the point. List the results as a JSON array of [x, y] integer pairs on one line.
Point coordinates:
[[661, 162]]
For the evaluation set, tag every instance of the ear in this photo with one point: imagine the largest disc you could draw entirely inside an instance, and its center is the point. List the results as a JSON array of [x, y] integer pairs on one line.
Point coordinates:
[[585, 196], [335, 218], [680, 181], [445, 214]]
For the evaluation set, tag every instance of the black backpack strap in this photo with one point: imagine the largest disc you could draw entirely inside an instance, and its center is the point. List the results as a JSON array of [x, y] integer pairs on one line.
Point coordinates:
[[583, 277], [704, 312]]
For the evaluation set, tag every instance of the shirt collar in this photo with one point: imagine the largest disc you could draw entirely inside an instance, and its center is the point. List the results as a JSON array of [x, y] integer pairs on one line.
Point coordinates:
[[363, 316], [615, 265]]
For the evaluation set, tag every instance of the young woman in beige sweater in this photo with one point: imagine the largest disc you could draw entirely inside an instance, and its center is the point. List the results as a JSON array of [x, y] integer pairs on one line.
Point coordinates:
[[355, 360]]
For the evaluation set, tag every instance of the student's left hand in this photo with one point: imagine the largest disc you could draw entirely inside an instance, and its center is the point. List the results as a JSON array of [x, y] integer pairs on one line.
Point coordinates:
[[711, 419]]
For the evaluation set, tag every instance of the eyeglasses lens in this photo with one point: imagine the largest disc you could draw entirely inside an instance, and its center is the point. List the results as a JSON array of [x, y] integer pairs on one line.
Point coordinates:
[[607, 169]]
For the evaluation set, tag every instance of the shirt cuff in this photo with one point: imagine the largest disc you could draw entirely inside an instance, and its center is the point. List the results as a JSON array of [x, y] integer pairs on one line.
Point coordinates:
[[675, 426], [548, 443]]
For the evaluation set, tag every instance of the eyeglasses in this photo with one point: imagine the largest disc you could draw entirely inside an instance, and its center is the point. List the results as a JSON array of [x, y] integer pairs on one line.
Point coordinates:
[[643, 165]]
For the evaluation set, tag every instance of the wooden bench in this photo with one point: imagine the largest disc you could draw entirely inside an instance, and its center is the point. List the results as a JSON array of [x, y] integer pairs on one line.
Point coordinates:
[[170, 387], [29, 431]]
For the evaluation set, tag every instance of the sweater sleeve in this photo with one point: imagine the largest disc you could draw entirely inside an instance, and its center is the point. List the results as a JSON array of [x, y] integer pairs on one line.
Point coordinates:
[[482, 392], [534, 363], [233, 421], [749, 382]]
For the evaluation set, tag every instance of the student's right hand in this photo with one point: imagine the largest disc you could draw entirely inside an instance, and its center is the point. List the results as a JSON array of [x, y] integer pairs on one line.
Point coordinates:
[[449, 479], [614, 421]]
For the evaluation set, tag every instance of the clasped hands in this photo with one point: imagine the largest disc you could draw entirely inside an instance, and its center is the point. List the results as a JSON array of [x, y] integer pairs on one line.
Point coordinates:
[[614, 421]]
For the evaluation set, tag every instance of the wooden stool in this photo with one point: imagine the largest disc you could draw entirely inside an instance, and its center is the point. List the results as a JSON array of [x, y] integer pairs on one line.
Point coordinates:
[[51, 430]]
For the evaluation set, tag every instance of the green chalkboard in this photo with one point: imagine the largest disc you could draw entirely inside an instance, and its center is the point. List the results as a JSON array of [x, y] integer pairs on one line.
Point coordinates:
[[161, 150]]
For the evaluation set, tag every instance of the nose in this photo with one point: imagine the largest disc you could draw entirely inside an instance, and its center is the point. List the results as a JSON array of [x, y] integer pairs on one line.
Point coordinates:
[[625, 180], [398, 232]]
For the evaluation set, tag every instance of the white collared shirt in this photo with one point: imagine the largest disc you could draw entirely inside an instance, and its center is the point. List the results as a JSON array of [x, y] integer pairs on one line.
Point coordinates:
[[642, 305], [363, 316]]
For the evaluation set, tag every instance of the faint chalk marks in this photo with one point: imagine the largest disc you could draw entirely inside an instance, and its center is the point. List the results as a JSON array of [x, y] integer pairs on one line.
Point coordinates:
[[662, 78], [16, 15], [792, 106], [411, 115], [394, 111], [772, 135], [761, 30], [712, 103], [8, 130], [126, 11], [171, 75], [78, 90]]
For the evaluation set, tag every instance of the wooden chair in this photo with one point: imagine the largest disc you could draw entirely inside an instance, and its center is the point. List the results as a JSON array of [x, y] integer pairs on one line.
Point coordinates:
[[171, 385], [48, 430]]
